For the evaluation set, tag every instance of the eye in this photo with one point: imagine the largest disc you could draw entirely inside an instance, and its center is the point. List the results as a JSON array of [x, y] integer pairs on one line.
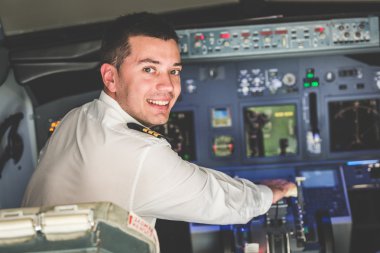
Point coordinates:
[[149, 70], [175, 72]]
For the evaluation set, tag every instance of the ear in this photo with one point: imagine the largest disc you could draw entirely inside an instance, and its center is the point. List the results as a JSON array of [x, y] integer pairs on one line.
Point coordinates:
[[109, 76]]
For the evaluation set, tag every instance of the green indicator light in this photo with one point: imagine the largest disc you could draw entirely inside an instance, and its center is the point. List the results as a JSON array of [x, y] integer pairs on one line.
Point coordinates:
[[315, 84], [310, 75], [306, 85], [186, 157]]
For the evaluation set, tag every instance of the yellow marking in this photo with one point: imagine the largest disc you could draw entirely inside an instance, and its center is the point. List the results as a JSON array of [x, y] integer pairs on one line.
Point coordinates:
[[283, 114], [151, 132]]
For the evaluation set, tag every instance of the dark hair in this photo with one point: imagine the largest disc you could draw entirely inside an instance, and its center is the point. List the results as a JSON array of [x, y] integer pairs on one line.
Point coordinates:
[[115, 47]]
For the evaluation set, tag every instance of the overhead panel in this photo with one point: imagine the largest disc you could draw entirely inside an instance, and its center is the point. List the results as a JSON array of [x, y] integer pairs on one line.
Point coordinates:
[[263, 40]]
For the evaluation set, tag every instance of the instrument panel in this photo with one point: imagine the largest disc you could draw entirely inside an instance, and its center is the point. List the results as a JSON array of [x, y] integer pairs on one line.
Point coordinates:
[[296, 109]]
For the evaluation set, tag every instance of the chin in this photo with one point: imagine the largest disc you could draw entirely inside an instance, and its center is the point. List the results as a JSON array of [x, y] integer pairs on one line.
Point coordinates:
[[159, 122]]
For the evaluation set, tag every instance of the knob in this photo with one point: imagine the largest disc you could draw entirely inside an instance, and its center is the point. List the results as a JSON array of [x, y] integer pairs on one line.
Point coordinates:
[[289, 79], [213, 73], [330, 76], [275, 84]]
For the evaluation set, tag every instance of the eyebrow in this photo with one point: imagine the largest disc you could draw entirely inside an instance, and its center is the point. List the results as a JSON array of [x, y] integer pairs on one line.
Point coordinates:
[[149, 60]]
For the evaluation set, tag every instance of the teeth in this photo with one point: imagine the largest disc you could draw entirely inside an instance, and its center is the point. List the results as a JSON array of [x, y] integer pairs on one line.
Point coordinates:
[[158, 102]]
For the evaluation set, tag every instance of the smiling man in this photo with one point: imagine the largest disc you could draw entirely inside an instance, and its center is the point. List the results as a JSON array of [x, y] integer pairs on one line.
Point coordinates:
[[147, 83], [104, 150]]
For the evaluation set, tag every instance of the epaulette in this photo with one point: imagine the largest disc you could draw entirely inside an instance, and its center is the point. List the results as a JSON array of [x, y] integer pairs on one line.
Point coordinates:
[[143, 129]]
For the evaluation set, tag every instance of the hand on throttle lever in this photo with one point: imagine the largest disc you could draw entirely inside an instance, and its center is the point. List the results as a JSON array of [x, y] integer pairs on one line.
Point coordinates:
[[281, 188]]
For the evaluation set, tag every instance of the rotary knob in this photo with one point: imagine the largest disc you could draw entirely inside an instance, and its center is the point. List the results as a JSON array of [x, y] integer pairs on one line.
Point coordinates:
[[274, 85], [289, 79], [330, 76]]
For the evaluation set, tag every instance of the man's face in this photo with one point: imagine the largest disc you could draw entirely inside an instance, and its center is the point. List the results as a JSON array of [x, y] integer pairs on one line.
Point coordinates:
[[148, 82]]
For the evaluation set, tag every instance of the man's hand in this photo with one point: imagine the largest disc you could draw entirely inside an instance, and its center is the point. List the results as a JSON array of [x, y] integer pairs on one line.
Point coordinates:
[[281, 188]]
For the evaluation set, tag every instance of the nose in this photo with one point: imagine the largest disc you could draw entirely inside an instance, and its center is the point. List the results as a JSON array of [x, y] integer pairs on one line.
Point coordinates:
[[166, 82]]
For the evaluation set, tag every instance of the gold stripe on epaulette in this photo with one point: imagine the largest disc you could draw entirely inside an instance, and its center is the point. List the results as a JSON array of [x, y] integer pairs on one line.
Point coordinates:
[[151, 132]]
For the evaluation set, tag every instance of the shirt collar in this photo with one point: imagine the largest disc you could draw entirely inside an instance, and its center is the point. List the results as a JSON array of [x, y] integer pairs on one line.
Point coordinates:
[[104, 97]]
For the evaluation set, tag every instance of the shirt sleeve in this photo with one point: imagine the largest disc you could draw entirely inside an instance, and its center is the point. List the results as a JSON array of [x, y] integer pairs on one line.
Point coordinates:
[[170, 188]]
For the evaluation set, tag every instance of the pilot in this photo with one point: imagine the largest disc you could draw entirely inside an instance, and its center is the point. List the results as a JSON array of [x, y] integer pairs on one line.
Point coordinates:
[[105, 151]]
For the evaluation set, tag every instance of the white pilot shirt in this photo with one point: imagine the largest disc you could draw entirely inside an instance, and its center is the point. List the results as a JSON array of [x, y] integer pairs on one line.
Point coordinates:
[[93, 156]]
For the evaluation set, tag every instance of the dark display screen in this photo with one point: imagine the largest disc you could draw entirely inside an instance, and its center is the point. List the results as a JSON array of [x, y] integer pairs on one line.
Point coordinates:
[[270, 130], [179, 131], [354, 125]]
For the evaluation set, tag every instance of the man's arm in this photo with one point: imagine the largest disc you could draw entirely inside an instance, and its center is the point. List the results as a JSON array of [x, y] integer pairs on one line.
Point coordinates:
[[171, 188], [281, 188]]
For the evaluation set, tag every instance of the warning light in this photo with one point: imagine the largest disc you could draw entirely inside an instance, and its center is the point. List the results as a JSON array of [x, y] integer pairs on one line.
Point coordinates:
[[266, 32], [319, 29], [315, 84], [224, 36], [281, 32], [245, 34], [199, 36]]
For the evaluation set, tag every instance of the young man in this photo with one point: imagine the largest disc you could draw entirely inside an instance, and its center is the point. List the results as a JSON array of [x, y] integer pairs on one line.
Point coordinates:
[[98, 152]]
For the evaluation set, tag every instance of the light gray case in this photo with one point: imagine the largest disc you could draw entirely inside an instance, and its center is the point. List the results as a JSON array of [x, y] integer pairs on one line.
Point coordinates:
[[92, 227]]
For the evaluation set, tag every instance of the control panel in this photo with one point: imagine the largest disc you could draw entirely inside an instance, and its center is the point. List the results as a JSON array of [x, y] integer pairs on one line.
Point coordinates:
[[281, 38], [318, 218], [291, 109]]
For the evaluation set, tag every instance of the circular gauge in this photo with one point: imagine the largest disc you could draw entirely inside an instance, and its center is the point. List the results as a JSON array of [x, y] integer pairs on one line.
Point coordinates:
[[223, 146]]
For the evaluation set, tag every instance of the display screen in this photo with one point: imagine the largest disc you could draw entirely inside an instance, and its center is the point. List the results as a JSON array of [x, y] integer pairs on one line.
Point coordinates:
[[221, 117], [179, 131], [319, 178], [270, 130], [354, 125]]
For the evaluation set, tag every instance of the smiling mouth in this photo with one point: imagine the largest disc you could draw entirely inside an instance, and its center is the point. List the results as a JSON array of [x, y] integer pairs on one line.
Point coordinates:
[[158, 102]]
